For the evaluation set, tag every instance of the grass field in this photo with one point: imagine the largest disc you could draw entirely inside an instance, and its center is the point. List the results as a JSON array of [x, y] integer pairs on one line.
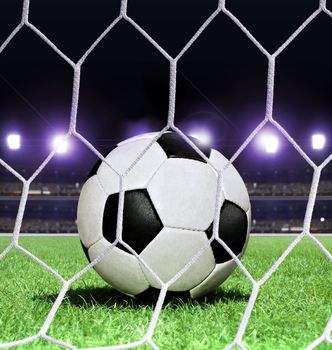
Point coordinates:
[[292, 309]]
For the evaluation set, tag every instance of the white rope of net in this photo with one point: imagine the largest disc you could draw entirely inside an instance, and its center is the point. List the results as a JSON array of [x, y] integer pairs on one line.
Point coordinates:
[[72, 132]]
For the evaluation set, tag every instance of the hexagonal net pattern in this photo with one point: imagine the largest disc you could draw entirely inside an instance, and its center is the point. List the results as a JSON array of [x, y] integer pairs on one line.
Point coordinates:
[[170, 125]]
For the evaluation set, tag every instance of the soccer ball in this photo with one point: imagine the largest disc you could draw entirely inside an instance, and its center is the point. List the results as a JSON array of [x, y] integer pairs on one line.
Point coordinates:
[[169, 207]]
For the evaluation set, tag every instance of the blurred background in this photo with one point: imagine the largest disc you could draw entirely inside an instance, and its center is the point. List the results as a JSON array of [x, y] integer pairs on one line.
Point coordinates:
[[221, 96]]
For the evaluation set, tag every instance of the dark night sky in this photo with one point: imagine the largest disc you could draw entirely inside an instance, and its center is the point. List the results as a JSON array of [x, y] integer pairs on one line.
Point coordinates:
[[124, 85]]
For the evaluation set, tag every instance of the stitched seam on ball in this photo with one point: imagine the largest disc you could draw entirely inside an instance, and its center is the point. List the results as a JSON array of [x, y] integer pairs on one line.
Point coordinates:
[[143, 273], [154, 174], [100, 184], [200, 283], [94, 242], [185, 229], [101, 187]]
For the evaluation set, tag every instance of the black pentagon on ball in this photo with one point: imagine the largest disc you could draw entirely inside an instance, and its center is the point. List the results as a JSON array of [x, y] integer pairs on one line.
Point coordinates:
[[141, 223], [233, 226], [176, 147]]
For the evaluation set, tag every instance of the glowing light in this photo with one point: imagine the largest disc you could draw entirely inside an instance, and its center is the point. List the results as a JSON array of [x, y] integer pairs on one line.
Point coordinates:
[[318, 141], [14, 141], [60, 144], [202, 135], [322, 219], [270, 143]]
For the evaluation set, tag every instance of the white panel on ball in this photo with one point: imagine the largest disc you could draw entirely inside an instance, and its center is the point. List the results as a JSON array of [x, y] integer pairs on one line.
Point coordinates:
[[149, 136], [122, 157], [119, 268], [215, 278], [90, 211], [183, 192], [170, 251], [234, 188]]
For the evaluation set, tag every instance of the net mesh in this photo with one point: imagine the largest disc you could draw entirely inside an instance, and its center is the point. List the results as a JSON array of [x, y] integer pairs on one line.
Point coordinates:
[[72, 132]]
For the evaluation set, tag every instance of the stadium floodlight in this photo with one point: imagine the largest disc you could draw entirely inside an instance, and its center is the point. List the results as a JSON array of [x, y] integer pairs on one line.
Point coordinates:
[[60, 144], [318, 141], [202, 135], [270, 143], [14, 141]]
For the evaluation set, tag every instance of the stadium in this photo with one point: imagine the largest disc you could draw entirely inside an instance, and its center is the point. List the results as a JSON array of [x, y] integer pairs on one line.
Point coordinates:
[[77, 79]]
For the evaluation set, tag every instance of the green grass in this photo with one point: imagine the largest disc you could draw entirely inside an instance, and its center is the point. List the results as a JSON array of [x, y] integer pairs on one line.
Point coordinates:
[[292, 308]]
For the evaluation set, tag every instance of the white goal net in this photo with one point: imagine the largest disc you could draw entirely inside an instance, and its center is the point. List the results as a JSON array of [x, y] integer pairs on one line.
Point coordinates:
[[170, 124]]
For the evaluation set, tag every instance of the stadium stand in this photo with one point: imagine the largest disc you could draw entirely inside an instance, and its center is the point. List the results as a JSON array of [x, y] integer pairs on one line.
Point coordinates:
[[39, 188], [39, 226], [278, 201], [69, 226], [254, 189]]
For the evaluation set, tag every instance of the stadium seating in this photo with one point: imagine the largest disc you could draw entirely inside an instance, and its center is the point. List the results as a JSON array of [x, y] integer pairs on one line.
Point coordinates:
[[57, 191], [69, 226], [254, 189]]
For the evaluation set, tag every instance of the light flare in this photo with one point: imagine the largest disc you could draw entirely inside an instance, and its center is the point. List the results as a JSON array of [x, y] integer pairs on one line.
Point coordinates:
[[14, 141], [60, 144]]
